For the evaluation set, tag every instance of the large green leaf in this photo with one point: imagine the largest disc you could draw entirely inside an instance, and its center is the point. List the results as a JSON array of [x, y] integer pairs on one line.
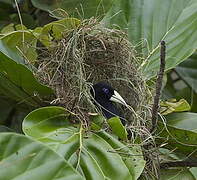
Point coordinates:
[[181, 131], [21, 77], [185, 121], [92, 153], [12, 54], [6, 106], [191, 97], [22, 158], [133, 155], [154, 20], [14, 92], [176, 174], [83, 9], [22, 43], [17, 81], [45, 121], [188, 71], [109, 163], [173, 90]]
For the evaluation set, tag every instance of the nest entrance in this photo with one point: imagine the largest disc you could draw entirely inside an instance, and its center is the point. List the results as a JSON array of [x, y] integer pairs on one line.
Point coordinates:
[[87, 55]]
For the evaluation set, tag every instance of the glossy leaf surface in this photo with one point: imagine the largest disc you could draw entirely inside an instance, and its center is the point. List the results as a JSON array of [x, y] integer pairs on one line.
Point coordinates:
[[117, 127], [83, 9], [22, 158], [150, 21], [92, 153], [177, 174], [16, 80], [21, 43], [188, 71], [181, 131]]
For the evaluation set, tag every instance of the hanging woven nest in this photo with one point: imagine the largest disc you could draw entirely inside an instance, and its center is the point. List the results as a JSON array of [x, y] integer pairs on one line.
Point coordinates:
[[90, 54]]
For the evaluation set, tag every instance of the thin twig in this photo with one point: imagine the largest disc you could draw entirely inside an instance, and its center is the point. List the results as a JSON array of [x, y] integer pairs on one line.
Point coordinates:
[[21, 20], [158, 87]]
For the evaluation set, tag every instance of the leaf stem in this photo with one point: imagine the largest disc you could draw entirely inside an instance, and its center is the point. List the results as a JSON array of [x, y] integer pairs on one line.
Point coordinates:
[[166, 165]]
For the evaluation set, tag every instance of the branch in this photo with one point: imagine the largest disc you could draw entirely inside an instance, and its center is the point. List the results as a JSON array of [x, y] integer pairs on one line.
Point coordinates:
[[158, 87], [166, 165]]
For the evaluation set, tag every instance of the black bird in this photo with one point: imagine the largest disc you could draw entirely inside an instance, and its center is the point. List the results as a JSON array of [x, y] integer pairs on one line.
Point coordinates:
[[104, 96]]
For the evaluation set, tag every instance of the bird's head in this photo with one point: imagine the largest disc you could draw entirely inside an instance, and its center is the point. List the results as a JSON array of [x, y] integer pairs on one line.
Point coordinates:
[[103, 92]]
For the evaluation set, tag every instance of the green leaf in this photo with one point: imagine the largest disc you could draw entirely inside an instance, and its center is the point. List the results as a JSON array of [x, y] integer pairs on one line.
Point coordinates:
[[181, 131], [110, 164], [117, 127], [14, 92], [17, 81], [20, 77], [6, 106], [172, 106], [45, 121], [176, 174], [5, 129], [56, 30], [51, 126], [166, 155], [23, 158], [169, 156], [7, 29], [185, 121], [169, 90], [193, 170], [154, 20], [22, 43], [12, 27], [80, 8], [132, 156], [188, 71], [28, 20], [96, 121], [190, 96], [92, 154], [10, 53]]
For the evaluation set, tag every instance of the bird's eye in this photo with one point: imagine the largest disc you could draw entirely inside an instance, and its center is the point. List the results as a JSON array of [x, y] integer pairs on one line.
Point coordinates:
[[105, 90]]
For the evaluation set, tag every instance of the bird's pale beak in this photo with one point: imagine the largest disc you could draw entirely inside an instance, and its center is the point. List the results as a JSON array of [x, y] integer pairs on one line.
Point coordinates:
[[117, 98]]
